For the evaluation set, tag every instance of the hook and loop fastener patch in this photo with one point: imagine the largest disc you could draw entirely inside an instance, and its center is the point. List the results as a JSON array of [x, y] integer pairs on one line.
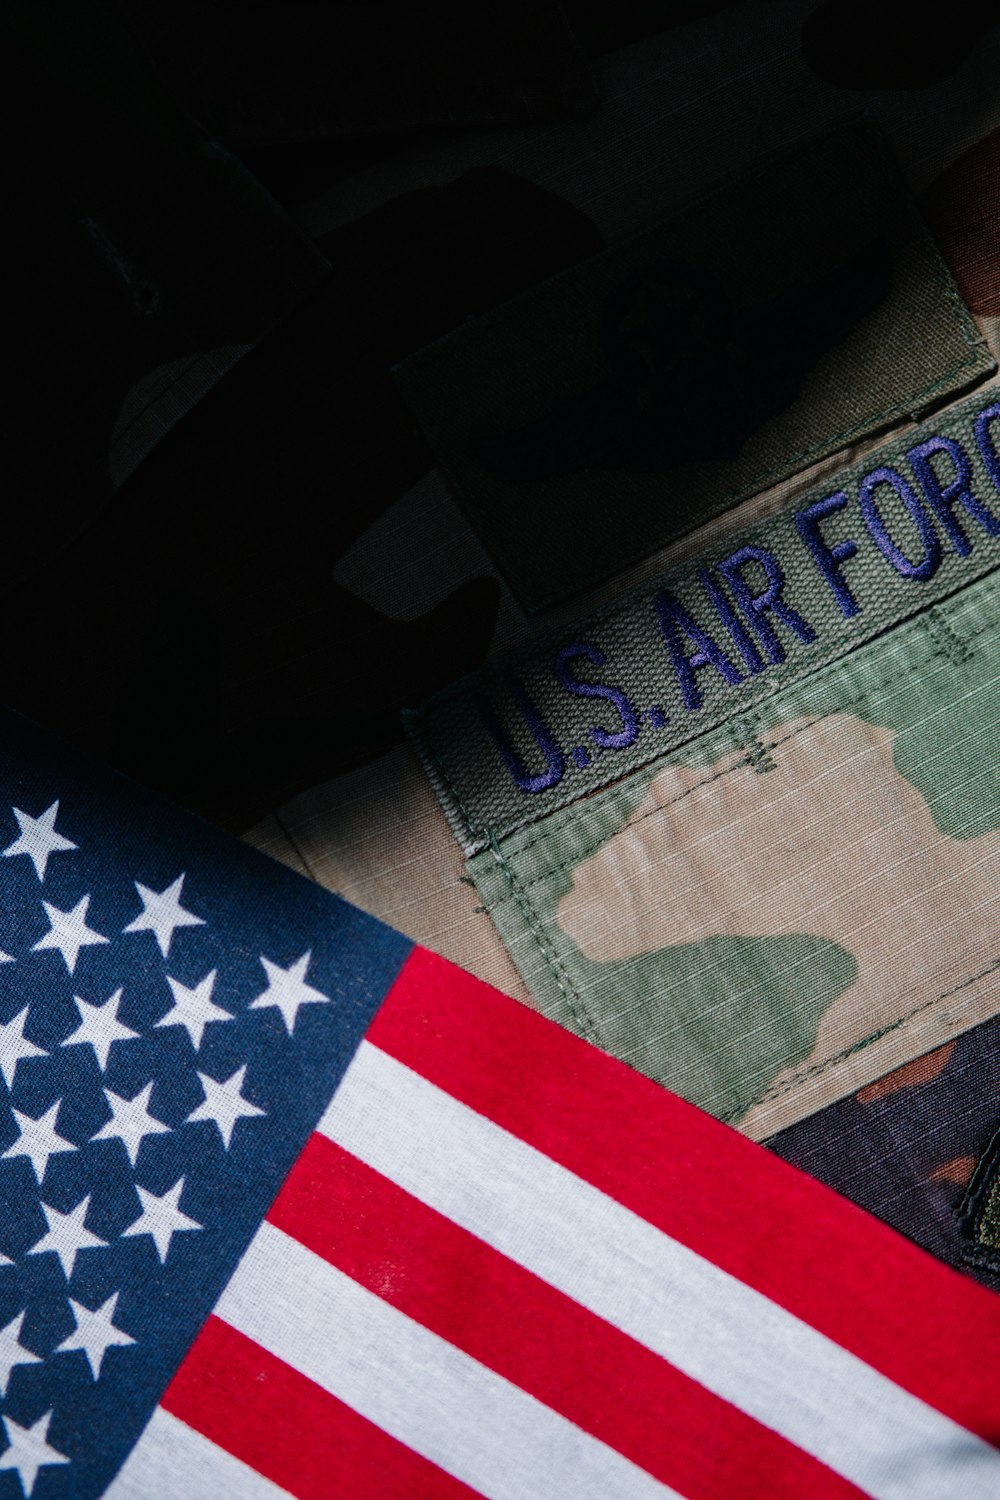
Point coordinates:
[[582, 707], [775, 318]]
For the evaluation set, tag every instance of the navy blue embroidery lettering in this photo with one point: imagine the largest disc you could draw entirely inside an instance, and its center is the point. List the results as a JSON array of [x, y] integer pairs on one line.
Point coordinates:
[[554, 765], [746, 592], [984, 442], [607, 740], [742, 638], [943, 498], [756, 606], [671, 614], [931, 542], [825, 556]]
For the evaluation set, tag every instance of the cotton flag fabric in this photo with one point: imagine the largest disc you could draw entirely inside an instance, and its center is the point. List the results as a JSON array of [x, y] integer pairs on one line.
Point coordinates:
[[291, 1206]]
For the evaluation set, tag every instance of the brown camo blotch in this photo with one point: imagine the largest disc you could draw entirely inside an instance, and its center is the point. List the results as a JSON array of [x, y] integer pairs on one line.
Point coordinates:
[[957, 1171], [921, 1070]]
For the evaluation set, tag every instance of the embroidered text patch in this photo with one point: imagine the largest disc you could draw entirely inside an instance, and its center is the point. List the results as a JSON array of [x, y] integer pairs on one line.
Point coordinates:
[[580, 709]]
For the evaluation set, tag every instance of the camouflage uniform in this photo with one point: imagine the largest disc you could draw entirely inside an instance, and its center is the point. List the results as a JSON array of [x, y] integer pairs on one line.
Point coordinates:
[[761, 857]]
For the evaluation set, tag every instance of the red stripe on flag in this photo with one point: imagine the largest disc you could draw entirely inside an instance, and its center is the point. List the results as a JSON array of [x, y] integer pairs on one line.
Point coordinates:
[[506, 1318], [929, 1329], [289, 1429]]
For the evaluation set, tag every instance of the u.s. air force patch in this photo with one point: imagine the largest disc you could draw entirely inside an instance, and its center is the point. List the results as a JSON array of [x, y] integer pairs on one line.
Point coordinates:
[[742, 829]]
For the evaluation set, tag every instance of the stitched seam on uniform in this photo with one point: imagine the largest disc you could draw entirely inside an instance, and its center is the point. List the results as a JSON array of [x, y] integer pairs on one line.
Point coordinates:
[[753, 703], [815, 1070], [913, 628], [297, 847], [577, 812], [574, 1000], [951, 643], [751, 739], [452, 702]]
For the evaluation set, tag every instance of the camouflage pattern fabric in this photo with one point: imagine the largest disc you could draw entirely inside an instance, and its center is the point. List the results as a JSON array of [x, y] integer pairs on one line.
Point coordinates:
[[907, 1148], [830, 985], [630, 399]]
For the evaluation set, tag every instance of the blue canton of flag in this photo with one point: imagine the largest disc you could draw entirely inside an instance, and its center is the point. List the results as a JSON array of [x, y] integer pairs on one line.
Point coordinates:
[[175, 1013]]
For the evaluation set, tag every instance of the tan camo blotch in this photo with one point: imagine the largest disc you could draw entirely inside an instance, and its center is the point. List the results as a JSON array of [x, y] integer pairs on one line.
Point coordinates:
[[832, 842]]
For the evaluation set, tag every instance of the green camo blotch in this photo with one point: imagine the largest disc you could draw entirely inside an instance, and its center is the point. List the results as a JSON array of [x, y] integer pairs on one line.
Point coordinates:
[[728, 1013]]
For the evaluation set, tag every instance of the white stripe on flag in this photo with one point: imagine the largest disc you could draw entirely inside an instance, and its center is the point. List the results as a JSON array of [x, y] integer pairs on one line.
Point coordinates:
[[173, 1462], [416, 1386], [719, 1331]]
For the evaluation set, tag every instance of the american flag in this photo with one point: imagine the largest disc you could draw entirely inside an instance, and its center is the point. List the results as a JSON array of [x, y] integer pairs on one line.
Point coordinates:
[[291, 1206]]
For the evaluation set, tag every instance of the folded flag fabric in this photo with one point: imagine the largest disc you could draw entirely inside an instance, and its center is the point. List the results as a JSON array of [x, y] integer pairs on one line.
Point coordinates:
[[291, 1206]]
